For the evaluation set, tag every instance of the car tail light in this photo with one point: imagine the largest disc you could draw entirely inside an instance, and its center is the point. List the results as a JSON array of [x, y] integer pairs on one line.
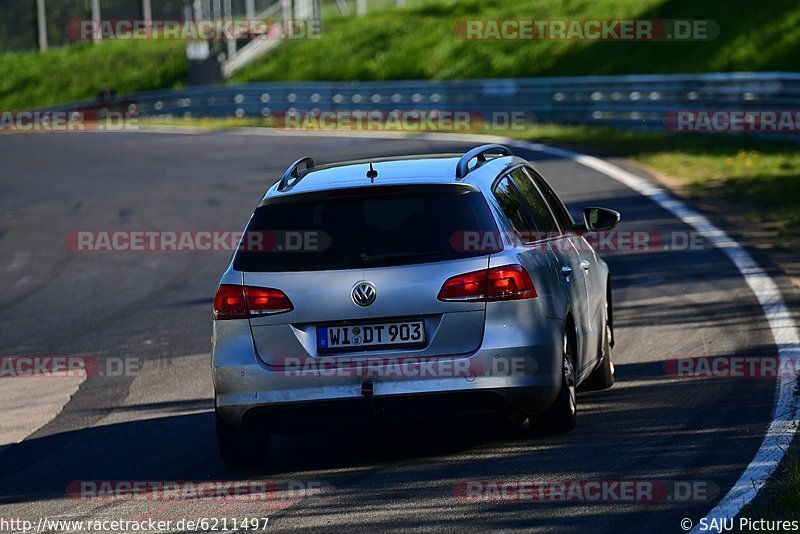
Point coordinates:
[[243, 302], [509, 282]]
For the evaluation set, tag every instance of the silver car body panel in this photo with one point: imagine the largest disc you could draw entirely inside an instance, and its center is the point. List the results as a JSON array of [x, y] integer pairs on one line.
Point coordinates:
[[248, 353]]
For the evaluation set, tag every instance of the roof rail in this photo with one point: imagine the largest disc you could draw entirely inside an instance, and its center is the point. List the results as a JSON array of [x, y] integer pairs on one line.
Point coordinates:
[[479, 153], [293, 174]]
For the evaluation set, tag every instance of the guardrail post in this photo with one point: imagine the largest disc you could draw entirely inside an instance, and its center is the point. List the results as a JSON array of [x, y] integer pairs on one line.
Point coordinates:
[[147, 11], [306, 10], [97, 35], [287, 10], [344, 9], [227, 15], [203, 65], [41, 19], [361, 7]]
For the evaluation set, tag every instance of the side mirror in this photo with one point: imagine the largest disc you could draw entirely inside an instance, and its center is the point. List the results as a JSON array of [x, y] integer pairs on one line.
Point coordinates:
[[600, 219]]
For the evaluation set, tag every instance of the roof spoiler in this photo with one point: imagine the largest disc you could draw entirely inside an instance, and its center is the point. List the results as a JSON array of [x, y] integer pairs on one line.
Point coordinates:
[[293, 173], [479, 153]]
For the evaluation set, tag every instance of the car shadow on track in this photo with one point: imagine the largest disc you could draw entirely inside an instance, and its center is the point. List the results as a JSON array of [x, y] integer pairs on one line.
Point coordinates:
[[643, 427]]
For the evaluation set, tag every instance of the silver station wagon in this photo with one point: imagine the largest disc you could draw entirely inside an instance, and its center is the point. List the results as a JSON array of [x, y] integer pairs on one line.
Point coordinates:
[[409, 287]]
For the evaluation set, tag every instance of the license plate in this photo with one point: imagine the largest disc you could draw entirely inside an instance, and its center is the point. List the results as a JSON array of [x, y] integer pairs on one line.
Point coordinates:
[[362, 336]]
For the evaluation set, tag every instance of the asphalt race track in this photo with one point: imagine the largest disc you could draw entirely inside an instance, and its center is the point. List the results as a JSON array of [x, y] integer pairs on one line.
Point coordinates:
[[154, 309]]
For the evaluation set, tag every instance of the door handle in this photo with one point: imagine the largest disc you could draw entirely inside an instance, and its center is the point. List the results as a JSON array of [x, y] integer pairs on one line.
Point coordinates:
[[566, 270], [586, 264]]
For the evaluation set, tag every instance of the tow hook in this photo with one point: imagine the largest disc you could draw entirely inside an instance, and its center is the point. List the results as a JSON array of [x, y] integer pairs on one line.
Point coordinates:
[[367, 391]]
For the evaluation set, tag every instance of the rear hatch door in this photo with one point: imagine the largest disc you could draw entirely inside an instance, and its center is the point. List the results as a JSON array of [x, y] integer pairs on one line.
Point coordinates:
[[363, 268]]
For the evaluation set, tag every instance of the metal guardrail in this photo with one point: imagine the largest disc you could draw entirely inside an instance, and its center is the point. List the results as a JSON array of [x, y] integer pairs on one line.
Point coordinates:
[[634, 102]]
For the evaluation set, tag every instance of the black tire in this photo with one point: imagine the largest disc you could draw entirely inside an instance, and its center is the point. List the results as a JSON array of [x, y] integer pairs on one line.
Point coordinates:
[[561, 416], [241, 448], [603, 376]]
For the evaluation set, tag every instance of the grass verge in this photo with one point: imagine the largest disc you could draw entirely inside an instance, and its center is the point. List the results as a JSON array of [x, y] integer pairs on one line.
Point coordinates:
[[780, 500], [77, 72]]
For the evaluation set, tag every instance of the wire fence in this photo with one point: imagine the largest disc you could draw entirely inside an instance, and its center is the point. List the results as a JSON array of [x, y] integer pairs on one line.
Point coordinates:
[[19, 24]]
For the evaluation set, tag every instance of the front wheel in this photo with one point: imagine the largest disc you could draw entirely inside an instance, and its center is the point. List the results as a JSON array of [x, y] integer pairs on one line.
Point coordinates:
[[241, 448], [561, 416]]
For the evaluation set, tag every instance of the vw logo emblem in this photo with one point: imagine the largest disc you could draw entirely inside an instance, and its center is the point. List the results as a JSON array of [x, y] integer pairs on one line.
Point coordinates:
[[364, 293]]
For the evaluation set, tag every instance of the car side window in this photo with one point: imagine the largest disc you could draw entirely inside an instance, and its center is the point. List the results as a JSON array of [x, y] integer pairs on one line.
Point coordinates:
[[514, 207], [558, 208], [543, 217]]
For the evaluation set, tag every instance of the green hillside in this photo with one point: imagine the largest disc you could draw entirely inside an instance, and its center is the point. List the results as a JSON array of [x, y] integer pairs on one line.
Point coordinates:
[[419, 42], [77, 72]]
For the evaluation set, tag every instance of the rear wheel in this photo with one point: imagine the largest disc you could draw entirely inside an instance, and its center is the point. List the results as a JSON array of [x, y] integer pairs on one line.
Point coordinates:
[[241, 448], [561, 416], [603, 376]]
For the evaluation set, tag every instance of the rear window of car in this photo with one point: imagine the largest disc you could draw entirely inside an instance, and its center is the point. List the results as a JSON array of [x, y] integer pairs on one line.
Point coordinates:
[[375, 226]]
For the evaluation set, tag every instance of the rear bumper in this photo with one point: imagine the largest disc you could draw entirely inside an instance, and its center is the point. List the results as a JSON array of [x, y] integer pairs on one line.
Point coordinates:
[[390, 408], [513, 372]]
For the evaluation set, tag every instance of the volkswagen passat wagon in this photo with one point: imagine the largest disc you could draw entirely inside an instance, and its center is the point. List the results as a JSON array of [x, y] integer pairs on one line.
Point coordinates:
[[421, 286]]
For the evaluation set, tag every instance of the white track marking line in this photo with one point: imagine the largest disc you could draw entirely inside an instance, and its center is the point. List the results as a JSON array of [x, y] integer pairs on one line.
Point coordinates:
[[786, 416]]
